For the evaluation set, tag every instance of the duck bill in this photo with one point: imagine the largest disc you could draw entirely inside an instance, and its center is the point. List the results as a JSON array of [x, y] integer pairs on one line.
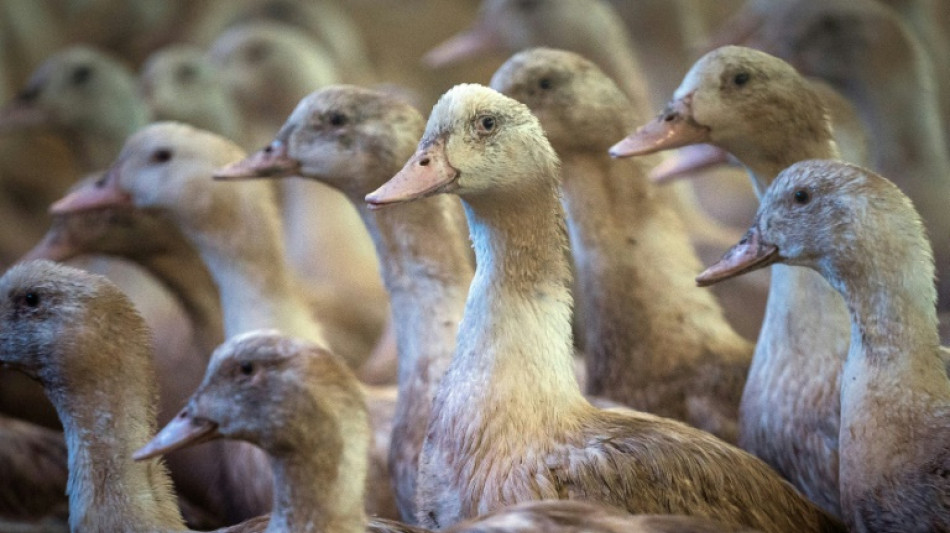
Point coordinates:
[[17, 115], [688, 161], [473, 43], [104, 192], [750, 254], [55, 246], [675, 127], [270, 162], [426, 173], [184, 430]]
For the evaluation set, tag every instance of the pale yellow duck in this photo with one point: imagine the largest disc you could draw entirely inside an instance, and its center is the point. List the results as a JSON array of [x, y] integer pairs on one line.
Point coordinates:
[[354, 140], [790, 409], [82, 339], [305, 407], [509, 423], [654, 341], [236, 230]]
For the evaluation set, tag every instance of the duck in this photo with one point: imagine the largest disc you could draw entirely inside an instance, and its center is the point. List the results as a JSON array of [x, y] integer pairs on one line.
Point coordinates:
[[179, 82], [235, 228], [839, 219], [305, 407], [329, 246], [33, 466], [789, 415], [595, 31], [354, 139], [87, 96], [654, 341], [509, 423], [148, 238], [896, 97], [60, 323]]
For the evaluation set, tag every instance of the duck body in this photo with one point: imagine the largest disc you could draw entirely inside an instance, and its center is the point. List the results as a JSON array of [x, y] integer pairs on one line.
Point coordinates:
[[895, 393], [655, 342], [61, 323], [353, 140], [510, 382], [788, 417]]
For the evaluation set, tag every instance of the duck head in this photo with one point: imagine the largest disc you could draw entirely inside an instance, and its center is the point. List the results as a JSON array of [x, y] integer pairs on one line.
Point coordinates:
[[51, 318], [343, 135], [167, 166], [578, 105], [78, 89], [476, 140], [728, 98], [829, 216], [280, 393]]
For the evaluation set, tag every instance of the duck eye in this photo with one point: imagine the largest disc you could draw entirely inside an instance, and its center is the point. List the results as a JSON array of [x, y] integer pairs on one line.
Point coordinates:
[[31, 299], [544, 83], [247, 368], [29, 94], [186, 73], [337, 119], [162, 155], [741, 78], [802, 197], [81, 74], [486, 124]]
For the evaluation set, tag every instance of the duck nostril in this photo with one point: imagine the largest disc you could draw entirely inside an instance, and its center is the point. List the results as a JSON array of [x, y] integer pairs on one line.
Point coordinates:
[[670, 117], [424, 162], [183, 414]]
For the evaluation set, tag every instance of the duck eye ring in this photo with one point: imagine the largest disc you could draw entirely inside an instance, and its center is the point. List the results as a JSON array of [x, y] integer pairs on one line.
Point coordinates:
[[486, 124], [741, 78], [802, 197]]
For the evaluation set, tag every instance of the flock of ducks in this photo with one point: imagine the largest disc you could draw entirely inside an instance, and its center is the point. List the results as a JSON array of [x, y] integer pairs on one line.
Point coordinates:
[[574, 373]]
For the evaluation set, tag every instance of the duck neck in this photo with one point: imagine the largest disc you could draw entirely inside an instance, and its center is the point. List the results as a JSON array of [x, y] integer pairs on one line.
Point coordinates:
[[427, 271], [904, 119], [182, 271], [765, 158], [515, 336], [635, 266], [893, 378], [309, 498], [247, 260], [104, 424]]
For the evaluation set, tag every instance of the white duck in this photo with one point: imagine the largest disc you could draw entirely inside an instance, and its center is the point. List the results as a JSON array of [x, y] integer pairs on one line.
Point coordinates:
[[790, 409], [861, 234], [594, 30], [236, 229], [509, 423], [654, 342], [354, 140]]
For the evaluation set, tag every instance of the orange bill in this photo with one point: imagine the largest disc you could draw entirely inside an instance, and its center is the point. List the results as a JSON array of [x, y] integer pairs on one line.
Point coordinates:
[[184, 430], [466, 45], [688, 161], [272, 161], [748, 255], [426, 172], [674, 128], [104, 192]]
